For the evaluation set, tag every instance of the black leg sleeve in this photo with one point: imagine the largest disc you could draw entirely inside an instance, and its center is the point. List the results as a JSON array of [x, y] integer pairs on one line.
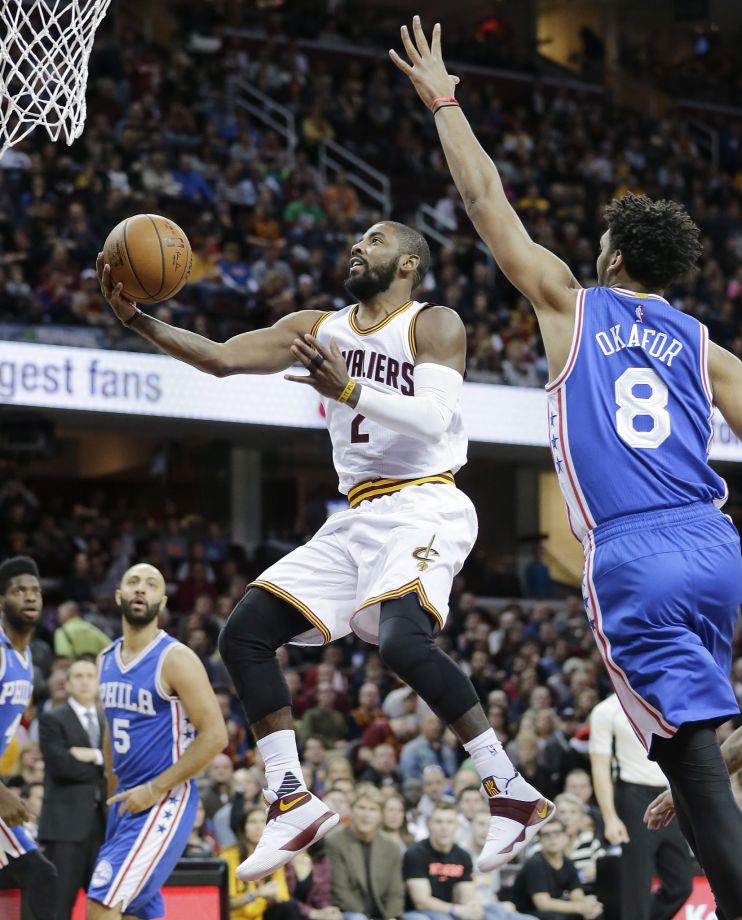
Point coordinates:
[[406, 646], [693, 764], [257, 626]]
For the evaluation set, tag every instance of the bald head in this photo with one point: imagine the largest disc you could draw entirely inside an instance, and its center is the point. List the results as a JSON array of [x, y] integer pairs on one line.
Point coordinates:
[[141, 595]]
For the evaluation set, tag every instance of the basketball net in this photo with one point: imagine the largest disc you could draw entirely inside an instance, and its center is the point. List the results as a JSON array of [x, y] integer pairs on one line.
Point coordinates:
[[44, 50]]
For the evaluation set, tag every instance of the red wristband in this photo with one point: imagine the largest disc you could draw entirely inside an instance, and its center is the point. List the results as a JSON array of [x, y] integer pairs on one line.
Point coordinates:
[[440, 100]]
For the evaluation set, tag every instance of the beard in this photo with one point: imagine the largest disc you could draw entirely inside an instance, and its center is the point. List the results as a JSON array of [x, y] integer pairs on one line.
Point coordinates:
[[142, 618], [372, 281], [17, 621]]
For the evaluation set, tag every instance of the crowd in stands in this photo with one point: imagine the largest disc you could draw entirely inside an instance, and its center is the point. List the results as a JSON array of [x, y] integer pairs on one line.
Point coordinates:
[[370, 747], [271, 235]]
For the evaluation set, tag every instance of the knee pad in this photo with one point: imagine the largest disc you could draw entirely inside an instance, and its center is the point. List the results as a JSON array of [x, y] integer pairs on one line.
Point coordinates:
[[406, 646], [257, 626]]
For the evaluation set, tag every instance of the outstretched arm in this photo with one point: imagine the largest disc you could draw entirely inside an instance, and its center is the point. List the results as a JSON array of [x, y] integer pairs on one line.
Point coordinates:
[[264, 351], [537, 273], [725, 371]]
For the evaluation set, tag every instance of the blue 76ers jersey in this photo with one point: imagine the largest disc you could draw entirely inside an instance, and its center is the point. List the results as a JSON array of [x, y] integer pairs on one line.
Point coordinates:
[[630, 413], [149, 730], [16, 688]]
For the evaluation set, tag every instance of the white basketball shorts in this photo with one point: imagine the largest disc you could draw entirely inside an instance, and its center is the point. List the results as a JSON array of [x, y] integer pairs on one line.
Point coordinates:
[[415, 539]]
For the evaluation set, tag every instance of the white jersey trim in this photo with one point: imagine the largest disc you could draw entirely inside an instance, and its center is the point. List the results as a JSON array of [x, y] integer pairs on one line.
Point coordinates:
[[145, 852], [158, 674], [562, 376], [645, 719], [145, 651]]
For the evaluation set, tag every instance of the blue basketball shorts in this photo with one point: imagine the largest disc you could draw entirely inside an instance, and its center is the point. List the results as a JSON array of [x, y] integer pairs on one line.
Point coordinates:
[[14, 841], [140, 851], [662, 592]]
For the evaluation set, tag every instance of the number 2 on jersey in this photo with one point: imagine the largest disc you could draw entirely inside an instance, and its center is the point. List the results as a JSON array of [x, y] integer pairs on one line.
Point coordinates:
[[632, 406], [356, 436]]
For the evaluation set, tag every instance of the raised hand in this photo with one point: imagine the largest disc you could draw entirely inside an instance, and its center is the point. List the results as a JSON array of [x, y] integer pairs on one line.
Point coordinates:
[[426, 69], [328, 373]]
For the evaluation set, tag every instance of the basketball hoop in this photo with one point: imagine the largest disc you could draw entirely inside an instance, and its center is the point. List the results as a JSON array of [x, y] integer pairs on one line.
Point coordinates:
[[44, 50]]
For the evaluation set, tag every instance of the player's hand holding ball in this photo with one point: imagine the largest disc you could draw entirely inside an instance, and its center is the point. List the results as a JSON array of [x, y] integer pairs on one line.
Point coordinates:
[[123, 309], [145, 259], [426, 69]]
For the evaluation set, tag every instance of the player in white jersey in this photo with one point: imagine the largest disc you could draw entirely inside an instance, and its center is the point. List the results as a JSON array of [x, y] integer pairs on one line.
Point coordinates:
[[390, 372], [21, 863]]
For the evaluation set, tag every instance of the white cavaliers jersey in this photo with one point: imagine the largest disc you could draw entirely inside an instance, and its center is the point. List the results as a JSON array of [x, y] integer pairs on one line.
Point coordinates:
[[382, 357]]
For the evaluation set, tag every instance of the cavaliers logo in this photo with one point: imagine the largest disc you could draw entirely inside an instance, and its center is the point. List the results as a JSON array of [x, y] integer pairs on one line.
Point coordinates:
[[425, 555], [490, 787]]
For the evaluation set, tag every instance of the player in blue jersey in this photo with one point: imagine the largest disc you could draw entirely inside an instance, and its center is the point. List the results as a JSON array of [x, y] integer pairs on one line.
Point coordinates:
[[633, 386], [164, 726], [21, 863]]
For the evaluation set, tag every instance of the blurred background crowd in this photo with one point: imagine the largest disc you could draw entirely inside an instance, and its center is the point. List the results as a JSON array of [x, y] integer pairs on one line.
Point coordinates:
[[369, 746], [271, 231]]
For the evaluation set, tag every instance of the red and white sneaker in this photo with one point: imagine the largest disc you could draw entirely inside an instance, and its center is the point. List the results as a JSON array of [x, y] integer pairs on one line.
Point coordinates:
[[513, 825], [294, 822]]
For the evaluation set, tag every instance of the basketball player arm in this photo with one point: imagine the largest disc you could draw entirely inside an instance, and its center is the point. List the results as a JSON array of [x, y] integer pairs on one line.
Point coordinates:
[[615, 829], [438, 378], [537, 273], [263, 351], [661, 810], [183, 676], [725, 371]]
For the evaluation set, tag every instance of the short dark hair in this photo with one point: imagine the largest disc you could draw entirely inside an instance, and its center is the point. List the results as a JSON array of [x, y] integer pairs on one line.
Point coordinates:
[[658, 239], [17, 565], [412, 241]]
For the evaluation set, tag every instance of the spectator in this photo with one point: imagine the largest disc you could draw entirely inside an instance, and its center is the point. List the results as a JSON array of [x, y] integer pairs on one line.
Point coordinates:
[[314, 755], [548, 885], [268, 898], [537, 575], [487, 884], [219, 790], [578, 783], [367, 711], [77, 586], [323, 721], [33, 798], [438, 873], [394, 821], [75, 637], [382, 771], [366, 866], [469, 803], [201, 843], [309, 876], [433, 788], [427, 749]]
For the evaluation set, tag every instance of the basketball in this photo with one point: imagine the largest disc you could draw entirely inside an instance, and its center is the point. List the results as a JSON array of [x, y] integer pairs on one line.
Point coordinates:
[[150, 255]]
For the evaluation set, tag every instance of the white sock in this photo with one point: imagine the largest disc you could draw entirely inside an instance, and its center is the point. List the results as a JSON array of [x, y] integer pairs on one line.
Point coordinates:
[[282, 768], [499, 776]]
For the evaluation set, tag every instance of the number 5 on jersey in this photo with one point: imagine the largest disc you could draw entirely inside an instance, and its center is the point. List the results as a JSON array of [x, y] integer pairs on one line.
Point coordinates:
[[121, 739]]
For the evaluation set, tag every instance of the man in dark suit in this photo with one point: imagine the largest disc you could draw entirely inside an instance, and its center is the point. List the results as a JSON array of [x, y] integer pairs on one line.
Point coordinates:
[[366, 865], [73, 814]]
